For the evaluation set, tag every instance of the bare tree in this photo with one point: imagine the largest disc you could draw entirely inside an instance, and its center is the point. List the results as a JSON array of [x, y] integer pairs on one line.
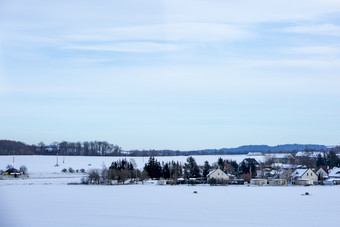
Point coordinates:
[[94, 176]]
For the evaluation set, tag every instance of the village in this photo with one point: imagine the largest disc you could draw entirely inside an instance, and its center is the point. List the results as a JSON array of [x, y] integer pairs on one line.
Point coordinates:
[[279, 173], [255, 168]]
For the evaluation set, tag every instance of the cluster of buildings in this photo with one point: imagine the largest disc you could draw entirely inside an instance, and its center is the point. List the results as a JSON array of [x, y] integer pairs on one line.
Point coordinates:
[[280, 172]]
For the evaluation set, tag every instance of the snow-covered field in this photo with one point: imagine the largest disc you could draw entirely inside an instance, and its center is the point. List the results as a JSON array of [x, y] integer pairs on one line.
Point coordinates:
[[44, 166], [45, 199], [154, 205]]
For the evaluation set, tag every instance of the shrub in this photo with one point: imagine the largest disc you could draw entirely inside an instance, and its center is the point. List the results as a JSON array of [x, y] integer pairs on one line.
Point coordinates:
[[71, 170], [64, 170], [84, 180], [94, 176], [23, 169], [212, 181]]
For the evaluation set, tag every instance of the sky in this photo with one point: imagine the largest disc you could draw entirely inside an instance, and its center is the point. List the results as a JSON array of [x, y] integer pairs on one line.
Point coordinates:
[[170, 74]]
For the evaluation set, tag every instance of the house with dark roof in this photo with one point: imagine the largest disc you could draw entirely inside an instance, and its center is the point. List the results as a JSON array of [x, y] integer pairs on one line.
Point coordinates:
[[250, 161], [12, 172]]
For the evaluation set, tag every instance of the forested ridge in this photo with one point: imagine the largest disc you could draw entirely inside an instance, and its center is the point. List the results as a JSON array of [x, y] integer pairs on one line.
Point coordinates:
[[104, 148]]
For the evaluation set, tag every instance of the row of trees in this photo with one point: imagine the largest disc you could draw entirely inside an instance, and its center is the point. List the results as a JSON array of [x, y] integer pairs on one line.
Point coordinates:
[[331, 160], [79, 148], [190, 169], [9, 147], [122, 170], [119, 171]]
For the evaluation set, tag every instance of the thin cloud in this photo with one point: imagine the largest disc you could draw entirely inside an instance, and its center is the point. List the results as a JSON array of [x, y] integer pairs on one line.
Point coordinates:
[[314, 50], [131, 47], [293, 63], [205, 32], [319, 29]]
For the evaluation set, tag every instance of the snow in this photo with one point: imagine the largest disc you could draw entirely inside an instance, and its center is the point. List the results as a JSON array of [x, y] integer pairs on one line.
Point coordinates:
[[44, 166], [154, 205], [45, 199], [335, 172], [298, 172]]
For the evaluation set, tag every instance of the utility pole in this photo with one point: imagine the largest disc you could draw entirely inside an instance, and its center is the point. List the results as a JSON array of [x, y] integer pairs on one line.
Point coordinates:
[[57, 160]]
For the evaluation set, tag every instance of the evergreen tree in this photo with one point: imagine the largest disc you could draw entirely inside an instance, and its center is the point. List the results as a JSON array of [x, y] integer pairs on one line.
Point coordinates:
[[191, 168], [320, 161], [333, 160], [166, 171], [153, 168], [206, 169], [220, 163]]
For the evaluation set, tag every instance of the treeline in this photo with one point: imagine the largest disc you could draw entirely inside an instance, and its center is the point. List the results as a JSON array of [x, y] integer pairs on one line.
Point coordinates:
[[8, 147], [190, 169], [103, 148], [91, 148], [122, 171]]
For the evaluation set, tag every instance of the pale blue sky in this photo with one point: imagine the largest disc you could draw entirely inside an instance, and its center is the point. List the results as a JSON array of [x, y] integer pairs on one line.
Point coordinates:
[[170, 74]]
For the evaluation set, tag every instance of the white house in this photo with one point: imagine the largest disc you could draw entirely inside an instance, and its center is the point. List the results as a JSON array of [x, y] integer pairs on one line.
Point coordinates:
[[303, 176], [322, 173], [218, 175]]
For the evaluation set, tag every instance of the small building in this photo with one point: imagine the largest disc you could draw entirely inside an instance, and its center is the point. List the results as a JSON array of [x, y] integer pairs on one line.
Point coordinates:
[[304, 182], [303, 177], [12, 172], [332, 181], [284, 174], [258, 181], [217, 174], [334, 173], [277, 182]]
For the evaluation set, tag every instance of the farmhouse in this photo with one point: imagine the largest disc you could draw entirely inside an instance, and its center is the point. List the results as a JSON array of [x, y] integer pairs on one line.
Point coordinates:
[[303, 177], [217, 174]]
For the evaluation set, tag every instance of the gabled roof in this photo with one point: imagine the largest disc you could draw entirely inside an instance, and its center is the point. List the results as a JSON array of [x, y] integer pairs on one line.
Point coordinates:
[[12, 170], [335, 172], [250, 161], [310, 154], [211, 172], [324, 169], [299, 172], [279, 155]]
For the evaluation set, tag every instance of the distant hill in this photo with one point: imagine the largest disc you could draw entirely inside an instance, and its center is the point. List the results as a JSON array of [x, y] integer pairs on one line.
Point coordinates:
[[265, 148], [103, 148]]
